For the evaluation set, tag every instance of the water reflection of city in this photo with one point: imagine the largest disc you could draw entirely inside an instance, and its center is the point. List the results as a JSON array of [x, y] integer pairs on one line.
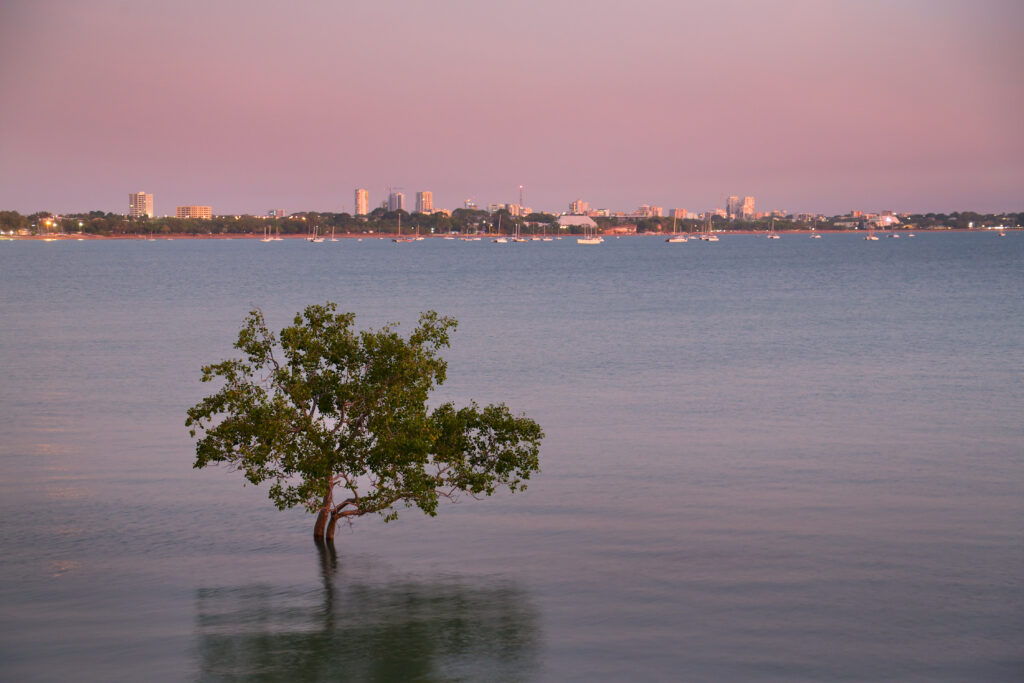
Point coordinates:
[[356, 626]]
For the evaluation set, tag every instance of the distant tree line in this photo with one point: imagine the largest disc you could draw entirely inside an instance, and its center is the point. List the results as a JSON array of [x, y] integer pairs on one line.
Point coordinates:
[[461, 221], [956, 220], [380, 221]]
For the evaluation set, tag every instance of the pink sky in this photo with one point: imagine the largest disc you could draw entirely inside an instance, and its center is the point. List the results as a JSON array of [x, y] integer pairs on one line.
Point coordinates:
[[809, 105]]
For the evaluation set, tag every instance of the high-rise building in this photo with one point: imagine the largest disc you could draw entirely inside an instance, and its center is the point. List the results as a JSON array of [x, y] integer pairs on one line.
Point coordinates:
[[579, 207], [679, 213], [732, 206], [469, 204], [204, 212], [396, 201], [747, 210], [425, 202], [657, 211], [140, 204], [276, 213], [362, 202]]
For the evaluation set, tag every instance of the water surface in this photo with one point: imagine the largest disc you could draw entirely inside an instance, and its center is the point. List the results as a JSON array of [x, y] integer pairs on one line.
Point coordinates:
[[766, 460]]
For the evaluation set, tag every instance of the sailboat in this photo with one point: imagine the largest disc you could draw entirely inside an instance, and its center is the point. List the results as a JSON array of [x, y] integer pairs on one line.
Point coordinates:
[[314, 236], [590, 236], [871, 236], [333, 238], [676, 237], [772, 235], [266, 234], [707, 235], [399, 238], [500, 239], [516, 236], [814, 234]]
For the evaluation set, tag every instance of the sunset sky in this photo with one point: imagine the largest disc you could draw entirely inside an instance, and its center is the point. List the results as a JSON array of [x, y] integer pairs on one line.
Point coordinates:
[[809, 105]]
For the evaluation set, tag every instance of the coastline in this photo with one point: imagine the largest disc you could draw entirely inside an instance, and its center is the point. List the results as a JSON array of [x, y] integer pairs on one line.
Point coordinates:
[[356, 235]]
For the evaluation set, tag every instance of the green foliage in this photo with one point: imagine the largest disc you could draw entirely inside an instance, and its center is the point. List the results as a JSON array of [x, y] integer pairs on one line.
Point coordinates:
[[324, 408], [540, 217], [12, 220], [380, 221]]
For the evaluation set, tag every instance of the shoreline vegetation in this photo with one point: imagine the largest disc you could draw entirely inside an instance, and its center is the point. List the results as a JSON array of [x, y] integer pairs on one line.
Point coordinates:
[[470, 222], [361, 236]]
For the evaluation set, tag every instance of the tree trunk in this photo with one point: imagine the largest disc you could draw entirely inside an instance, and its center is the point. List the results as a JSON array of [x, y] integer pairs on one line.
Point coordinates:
[[330, 528], [325, 512], [321, 524]]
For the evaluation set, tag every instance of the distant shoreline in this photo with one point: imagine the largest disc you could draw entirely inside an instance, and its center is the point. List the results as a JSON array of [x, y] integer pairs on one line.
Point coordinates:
[[348, 236]]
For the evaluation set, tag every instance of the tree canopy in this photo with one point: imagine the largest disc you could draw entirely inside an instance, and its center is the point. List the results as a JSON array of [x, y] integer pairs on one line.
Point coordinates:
[[337, 420], [461, 221]]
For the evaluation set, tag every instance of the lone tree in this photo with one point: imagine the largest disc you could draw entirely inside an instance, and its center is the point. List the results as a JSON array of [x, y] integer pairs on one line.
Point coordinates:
[[337, 419]]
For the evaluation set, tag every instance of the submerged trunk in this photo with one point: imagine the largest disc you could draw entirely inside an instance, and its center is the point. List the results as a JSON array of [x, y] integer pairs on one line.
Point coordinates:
[[325, 512], [321, 524], [330, 527]]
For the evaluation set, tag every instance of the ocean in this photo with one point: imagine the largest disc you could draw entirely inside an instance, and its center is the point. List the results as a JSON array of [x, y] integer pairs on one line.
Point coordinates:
[[766, 460]]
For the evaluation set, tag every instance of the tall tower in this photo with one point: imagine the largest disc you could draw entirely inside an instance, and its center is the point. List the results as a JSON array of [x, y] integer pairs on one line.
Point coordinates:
[[396, 201], [362, 202], [425, 202], [140, 204], [732, 206], [747, 210]]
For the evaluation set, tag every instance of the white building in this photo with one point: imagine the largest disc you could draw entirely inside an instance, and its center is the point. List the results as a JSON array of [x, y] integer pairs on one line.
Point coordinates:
[[140, 204], [885, 220], [569, 221]]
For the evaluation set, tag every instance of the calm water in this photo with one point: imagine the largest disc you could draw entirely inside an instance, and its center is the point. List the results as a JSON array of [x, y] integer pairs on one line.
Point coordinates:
[[789, 460]]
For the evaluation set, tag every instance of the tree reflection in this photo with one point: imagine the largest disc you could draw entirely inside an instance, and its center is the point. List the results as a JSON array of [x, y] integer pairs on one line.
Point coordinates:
[[367, 629]]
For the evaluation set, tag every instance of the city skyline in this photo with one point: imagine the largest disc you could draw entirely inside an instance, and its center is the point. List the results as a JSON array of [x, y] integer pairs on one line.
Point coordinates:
[[817, 107], [735, 208]]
